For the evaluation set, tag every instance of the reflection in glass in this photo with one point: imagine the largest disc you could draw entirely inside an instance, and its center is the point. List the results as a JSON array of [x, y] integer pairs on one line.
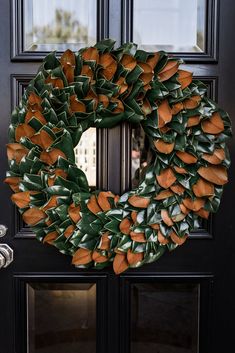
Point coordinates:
[[173, 25], [59, 24], [164, 318], [61, 317], [141, 155], [85, 155]]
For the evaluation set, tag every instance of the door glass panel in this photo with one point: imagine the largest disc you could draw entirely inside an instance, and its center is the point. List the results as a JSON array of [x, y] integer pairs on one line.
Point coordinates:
[[58, 24], [141, 155], [173, 25], [85, 155], [164, 317], [61, 317]]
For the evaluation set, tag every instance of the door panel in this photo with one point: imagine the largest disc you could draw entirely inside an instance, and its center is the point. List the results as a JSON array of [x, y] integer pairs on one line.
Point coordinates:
[[197, 278]]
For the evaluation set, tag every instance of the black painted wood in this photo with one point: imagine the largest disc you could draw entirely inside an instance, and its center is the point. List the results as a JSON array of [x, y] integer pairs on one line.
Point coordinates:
[[207, 260]]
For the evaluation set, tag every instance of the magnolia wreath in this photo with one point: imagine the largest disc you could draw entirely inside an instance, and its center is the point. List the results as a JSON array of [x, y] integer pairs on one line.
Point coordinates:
[[101, 87]]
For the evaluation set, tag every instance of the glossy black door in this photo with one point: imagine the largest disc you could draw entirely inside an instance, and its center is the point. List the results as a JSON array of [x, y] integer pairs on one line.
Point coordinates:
[[197, 278]]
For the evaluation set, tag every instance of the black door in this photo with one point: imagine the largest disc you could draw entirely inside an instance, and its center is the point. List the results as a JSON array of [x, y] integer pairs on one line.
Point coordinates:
[[184, 303]]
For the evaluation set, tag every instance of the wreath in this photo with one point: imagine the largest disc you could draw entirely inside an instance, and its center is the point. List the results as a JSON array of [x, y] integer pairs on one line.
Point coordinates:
[[101, 87]]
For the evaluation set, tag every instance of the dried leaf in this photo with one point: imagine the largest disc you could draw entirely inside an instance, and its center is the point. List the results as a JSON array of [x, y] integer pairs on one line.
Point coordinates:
[[13, 182], [216, 158], [155, 226], [103, 200], [176, 239], [166, 218], [176, 108], [125, 226], [184, 209], [180, 170], [213, 125], [68, 57], [50, 237], [164, 194], [177, 189], [193, 121], [194, 205], [168, 71], [105, 241], [139, 237], [162, 240], [203, 188], [166, 178], [134, 215], [215, 174], [21, 199], [203, 213], [139, 201], [74, 213], [82, 257], [109, 65], [51, 203], [192, 102], [128, 62], [33, 216], [184, 78], [55, 82], [90, 54], [43, 139], [134, 258], [187, 158], [76, 105], [16, 151], [153, 60], [164, 113], [69, 231], [99, 258], [120, 263], [92, 205], [23, 130], [164, 147], [36, 114]]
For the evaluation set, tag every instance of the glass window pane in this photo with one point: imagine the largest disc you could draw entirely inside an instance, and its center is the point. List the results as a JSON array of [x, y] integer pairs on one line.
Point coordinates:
[[61, 317], [173, 25], [59, 24], [85, 155], [141, 155], [164, 318]]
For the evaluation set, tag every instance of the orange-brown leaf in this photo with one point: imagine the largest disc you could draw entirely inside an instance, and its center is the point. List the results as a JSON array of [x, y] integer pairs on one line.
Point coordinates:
[[82, 257], [92, 205], [184, 78], [109, 65], [120, 263], [176, 108], [164, 113], [168, 71], [139, 201], [21, 199], [76, 105], [50, 237], [192, 102], [90, 54], [153, 60], [177, 189], [103, 200], [166, 218], [216, 158], [180, 170], [176, 239], [139, 237], [16, 151], [186, 157], [23, 130], [128, 62], [125, 226], [98, 257], [52, 202], [164, 194], [69, 231], [105, 241], [37, 115], [193, 120], [203, 213], [213, 125], [33, 215], [162, 240], [203, 188], [13, 182], [215, 174], [134, 258], [68, 57], [164, 147], [194, 205], [74, 212], [166, 178]]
